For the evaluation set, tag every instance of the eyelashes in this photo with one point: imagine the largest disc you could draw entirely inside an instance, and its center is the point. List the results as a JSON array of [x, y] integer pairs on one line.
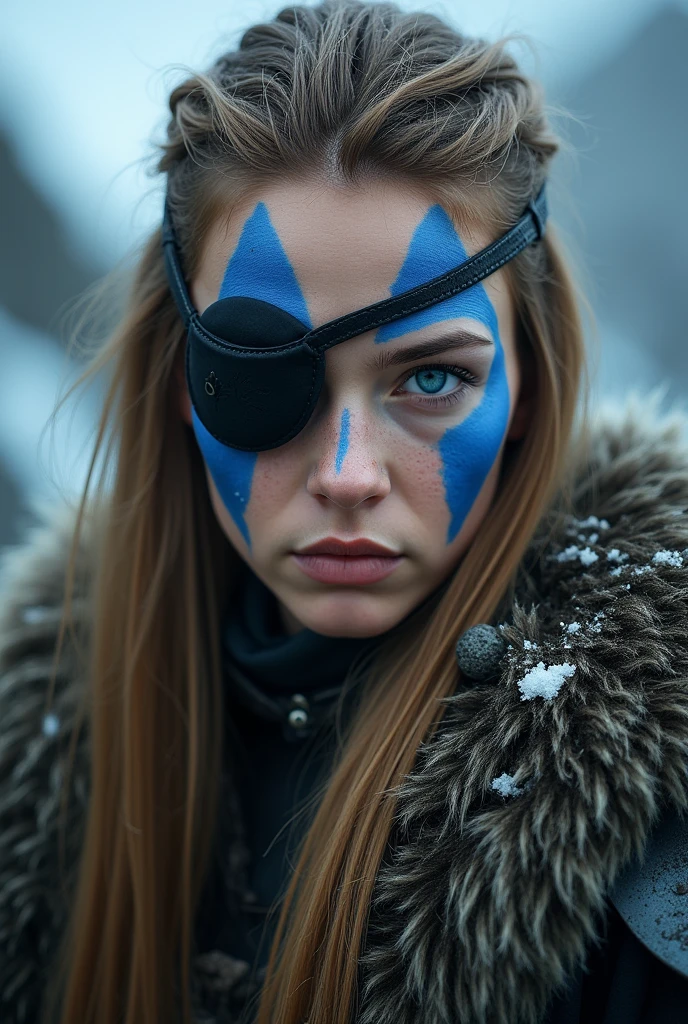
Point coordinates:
[[467, 381]]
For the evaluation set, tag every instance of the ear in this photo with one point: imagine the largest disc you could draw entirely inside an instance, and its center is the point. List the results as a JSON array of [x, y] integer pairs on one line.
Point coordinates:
[[525, 403], [183, 397]]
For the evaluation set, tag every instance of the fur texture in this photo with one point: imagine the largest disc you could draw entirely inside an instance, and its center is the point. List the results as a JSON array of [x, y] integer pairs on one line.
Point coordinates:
[[520, 812]]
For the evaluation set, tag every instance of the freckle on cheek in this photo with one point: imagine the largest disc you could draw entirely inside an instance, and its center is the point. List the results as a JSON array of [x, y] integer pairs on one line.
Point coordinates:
[[423, 474], [268, 493]]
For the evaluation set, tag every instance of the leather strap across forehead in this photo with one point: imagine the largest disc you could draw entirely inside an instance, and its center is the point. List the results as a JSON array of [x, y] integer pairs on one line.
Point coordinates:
[[529, 229]]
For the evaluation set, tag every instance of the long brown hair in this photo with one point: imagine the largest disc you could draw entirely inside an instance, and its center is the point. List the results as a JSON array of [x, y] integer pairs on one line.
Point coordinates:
[[344, 90]]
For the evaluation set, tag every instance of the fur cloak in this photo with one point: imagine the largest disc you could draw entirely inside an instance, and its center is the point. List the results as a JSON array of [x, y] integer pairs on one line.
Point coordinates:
[[521, 813]]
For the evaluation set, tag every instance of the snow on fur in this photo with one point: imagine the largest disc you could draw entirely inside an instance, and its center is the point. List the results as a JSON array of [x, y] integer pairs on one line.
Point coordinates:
[[673, 558], [505, 785], [614, 555], [586, 555], [545, 680]]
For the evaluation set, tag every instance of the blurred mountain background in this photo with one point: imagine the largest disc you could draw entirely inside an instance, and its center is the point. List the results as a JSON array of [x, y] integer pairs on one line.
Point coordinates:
[[74, 200]]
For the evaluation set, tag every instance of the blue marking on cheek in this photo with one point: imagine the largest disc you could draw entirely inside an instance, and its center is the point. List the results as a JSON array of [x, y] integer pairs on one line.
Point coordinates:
[[232, 473], [469, 449], [259, 268], [343, 445]]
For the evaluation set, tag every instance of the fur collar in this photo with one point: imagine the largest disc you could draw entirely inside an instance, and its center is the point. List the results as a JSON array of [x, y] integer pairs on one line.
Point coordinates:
[[521, 811], [538, 789]]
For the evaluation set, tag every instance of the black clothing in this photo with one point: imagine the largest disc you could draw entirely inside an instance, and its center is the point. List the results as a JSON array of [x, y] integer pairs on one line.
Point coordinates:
[[623, 983], [278, 662], [276, 774]]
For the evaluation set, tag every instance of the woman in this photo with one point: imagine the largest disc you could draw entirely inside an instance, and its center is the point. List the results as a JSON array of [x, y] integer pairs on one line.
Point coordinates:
[[241, 723]]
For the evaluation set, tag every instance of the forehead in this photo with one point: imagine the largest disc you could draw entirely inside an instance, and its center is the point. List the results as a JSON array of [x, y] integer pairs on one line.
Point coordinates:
[[344, 245]]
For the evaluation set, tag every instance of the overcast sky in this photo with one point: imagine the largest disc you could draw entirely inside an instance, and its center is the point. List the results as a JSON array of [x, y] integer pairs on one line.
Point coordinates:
[[83, 85]]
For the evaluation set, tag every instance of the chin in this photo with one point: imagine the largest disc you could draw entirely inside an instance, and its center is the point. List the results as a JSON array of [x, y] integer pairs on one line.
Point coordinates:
[[353, 614]]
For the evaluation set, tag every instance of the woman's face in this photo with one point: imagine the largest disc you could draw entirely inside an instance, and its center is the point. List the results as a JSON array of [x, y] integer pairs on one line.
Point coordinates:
[[404, 447]]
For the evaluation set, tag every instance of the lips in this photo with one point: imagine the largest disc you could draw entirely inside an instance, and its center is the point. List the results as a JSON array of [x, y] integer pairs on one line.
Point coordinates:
[[353, 548], [353, 562]]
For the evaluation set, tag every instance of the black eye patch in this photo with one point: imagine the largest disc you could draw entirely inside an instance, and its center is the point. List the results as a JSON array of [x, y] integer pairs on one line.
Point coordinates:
[[255, 372], [250, 377], [251, 323]]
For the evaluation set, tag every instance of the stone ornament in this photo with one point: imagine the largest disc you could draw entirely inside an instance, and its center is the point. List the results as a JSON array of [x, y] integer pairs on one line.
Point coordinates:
[[479, 652]]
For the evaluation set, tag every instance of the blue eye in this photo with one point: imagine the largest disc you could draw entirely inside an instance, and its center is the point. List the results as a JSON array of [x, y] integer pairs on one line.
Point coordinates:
[[431, 379]]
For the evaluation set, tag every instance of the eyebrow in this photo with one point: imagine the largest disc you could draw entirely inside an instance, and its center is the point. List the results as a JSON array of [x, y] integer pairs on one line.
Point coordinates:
[[459, 338]]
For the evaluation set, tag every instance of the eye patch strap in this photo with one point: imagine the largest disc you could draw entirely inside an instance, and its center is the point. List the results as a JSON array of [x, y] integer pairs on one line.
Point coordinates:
[[529, 229], [175, 278]]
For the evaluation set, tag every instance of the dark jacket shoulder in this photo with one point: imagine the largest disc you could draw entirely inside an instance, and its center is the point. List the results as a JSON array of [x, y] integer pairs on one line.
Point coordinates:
[[541, 786]]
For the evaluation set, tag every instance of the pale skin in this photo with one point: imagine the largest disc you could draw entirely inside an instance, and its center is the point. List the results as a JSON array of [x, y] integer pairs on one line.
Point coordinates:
[[346, 245]]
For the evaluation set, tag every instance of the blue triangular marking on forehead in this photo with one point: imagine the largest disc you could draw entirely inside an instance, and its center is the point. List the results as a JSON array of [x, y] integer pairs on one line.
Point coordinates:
[[435, 248], [259, 268]]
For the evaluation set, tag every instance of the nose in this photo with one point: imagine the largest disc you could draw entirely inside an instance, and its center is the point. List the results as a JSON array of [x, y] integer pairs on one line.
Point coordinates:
[[348, 470]]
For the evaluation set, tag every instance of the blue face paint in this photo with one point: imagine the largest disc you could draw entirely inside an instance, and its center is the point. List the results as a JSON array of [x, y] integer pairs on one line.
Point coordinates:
[[469, 449], [232, 472], [343, 445], [259, 268]]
